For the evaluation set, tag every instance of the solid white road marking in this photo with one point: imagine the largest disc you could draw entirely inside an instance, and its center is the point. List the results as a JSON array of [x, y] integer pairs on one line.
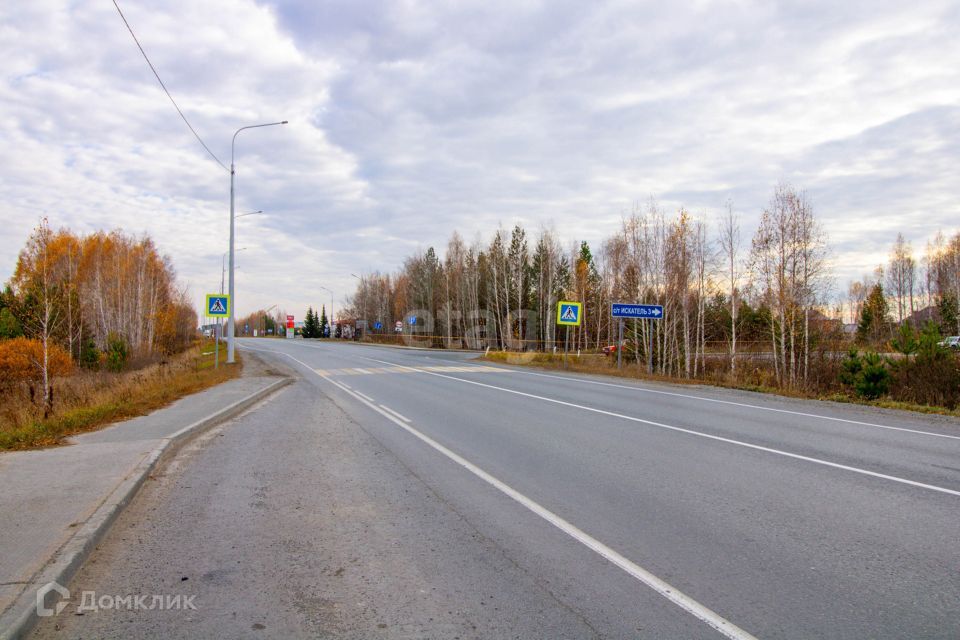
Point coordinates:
[[730, 402], [391, 411], [665, 589], [367, 398], [701, 434]]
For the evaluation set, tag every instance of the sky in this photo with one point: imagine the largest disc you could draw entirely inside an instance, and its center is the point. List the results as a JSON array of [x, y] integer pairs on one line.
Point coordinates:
[[409, 120]]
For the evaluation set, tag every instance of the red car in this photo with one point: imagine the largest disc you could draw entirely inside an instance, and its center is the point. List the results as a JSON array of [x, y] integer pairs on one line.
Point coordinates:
[[612, 349]]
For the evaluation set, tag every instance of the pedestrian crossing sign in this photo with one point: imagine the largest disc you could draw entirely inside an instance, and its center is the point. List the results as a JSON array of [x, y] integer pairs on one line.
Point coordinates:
[[218, 305], [569, 313]]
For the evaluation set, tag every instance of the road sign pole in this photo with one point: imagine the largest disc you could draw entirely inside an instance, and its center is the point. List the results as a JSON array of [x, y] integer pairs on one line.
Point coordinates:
[[566, 347], [650, 347], [216, 345], [620, 347]]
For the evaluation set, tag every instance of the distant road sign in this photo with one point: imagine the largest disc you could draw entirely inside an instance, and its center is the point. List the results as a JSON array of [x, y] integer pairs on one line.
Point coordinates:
[[569, 313], [412, 319], [623, 310], [378, 325], [398, 327], [218, 305]]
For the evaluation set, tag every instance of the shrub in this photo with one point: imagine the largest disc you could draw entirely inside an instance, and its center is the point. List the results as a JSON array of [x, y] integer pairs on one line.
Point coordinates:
[[906, 341], [21, 360], [117, 352], [932, 377], [90, 355], [866, 374]]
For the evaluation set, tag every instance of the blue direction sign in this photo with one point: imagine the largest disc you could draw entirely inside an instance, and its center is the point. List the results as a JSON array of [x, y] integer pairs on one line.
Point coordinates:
[[378, 325], [622, 310]]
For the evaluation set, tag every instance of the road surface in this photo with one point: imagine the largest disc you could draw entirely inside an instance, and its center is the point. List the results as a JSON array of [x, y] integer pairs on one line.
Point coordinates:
[[406, 493]]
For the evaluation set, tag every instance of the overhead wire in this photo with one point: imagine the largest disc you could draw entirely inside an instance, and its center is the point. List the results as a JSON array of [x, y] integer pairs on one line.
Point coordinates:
[[165, 90]]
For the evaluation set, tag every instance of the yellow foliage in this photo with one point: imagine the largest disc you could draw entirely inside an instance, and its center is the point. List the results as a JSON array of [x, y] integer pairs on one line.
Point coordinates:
[[21, 360]]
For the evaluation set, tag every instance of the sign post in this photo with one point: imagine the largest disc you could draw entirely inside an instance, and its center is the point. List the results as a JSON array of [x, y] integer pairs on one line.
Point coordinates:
[[218, 306], [649, 312], [569, 314], [620, 346]]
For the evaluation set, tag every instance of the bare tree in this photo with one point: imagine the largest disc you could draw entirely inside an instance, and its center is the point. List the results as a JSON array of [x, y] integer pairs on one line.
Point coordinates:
[[788, 256], [901, 277], [730, 242], [41, 296]]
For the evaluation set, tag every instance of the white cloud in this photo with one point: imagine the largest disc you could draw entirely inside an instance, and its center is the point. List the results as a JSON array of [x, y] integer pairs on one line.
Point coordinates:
[[410, 120]]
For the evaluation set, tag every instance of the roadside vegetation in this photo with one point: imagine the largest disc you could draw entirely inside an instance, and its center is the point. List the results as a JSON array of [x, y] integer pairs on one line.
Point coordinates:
[[92, 399], [756, 311], [927, 381], [93, 329]]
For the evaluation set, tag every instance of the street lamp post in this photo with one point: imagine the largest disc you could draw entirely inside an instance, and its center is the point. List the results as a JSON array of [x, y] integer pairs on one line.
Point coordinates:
[[363, 307], [223, 270], [223, 265], [233, 302], [263, 320]]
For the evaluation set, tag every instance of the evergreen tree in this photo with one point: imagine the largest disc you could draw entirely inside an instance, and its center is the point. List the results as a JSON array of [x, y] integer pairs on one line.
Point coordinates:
[[949, 314], [873, 317], [315, 326], [311, 327], [9, 326], [323, 322]]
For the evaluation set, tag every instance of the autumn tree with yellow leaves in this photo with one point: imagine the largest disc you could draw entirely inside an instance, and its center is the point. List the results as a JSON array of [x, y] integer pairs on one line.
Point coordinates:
[[79, 292]]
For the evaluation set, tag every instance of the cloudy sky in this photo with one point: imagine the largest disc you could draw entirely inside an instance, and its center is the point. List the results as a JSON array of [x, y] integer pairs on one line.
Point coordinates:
[[409, 120]]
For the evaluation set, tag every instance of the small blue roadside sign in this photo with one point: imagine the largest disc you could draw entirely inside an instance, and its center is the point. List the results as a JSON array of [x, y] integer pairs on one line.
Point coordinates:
[[378, 325], [569, 313], [412, 319], [622, 310], [218, 305]]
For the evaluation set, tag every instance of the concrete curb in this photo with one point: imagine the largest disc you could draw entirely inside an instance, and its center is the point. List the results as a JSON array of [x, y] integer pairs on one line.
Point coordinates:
[[20, 618]]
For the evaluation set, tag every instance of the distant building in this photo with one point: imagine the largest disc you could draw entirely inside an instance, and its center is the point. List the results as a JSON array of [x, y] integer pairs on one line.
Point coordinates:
[[923, 316]]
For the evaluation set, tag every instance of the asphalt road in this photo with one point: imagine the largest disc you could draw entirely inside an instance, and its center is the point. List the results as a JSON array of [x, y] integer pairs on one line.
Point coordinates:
[[404, 493]]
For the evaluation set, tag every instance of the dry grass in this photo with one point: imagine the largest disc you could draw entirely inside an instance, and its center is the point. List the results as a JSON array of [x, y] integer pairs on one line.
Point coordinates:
[[749, 378], [89, 400]]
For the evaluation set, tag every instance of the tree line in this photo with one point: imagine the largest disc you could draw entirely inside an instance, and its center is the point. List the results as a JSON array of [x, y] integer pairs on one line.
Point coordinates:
[[726, 294], [93, 299]]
